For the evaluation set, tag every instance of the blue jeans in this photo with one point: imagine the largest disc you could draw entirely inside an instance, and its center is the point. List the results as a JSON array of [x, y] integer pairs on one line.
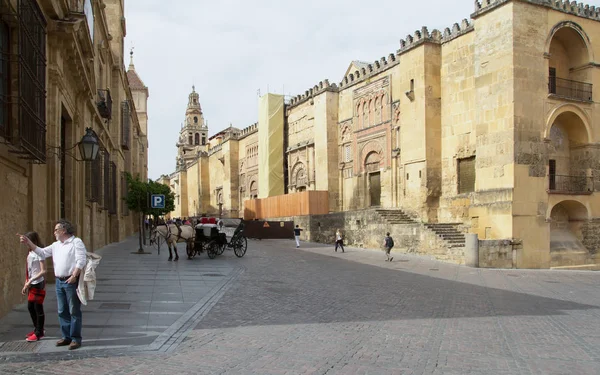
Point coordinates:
[[69, 311]]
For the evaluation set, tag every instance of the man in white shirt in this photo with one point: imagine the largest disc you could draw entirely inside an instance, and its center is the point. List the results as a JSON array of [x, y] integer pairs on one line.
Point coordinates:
[[68, 256]]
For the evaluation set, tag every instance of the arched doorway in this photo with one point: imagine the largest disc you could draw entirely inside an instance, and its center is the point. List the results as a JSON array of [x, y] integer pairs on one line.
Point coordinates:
[[568, 51], [253, 190], [568, 218], [372, 162], [567, 166]]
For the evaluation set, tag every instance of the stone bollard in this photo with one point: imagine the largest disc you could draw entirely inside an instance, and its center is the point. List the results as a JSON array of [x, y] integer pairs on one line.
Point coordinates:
[[472, 250]]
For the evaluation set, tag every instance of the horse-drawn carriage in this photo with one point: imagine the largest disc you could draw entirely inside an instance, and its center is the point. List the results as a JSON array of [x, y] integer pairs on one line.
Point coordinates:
[[206, 236]]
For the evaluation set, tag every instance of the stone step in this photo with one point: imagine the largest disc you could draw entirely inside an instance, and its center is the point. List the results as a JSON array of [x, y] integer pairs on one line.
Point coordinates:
[[441, 225], [448, 231], [453, 237], [455, 242], [581, 267]]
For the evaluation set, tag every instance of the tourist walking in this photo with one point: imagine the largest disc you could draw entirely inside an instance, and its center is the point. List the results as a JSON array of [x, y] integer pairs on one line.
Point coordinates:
[[69, 257], [297, 231], [388, 243], [339, 240], [35, 289]]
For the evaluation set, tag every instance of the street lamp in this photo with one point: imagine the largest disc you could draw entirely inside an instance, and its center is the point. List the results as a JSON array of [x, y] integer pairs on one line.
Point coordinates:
[[89, 146]]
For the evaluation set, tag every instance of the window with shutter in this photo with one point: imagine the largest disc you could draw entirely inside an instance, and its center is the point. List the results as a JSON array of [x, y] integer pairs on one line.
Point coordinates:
[[112, 207], [106, 180], [347, 153], [125, 125], [124, 192]]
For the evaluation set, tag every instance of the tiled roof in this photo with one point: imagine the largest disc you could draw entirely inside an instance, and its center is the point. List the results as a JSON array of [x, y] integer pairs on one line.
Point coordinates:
[[135, 82]]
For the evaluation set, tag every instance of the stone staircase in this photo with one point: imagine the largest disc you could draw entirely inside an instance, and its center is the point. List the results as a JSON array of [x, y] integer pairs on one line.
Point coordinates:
[[449, 233], [395, 216], [446, 241]]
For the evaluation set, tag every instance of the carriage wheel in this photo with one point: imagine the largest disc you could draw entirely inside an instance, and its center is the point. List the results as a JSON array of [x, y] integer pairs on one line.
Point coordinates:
[[240, 246], [211, 250], [221, 248]]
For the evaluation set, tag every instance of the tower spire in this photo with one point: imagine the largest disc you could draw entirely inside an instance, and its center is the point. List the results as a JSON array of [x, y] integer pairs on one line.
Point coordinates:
[[131, 67]]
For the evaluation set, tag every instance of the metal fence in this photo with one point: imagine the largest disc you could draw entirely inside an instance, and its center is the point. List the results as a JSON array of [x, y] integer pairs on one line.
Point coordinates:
[[570, 89]]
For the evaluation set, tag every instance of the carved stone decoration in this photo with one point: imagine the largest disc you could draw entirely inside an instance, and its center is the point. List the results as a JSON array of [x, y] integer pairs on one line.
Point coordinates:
[[372, 162], [345, 132], [299, 176], [372, 156], [396, 113], [371, 104]]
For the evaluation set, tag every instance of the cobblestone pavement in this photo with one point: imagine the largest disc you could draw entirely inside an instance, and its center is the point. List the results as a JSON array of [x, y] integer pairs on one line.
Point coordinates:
[[313, 311]]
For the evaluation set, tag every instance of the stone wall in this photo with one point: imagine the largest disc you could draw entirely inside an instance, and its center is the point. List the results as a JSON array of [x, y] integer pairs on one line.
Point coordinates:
[[497, 253], [366, 229], [591, 236]]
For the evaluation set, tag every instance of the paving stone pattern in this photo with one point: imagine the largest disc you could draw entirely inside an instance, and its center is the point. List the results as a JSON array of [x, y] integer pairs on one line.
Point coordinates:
[[282, 310]]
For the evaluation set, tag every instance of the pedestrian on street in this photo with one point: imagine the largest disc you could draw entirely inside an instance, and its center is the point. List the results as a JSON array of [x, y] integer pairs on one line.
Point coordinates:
[[297, 231], [388, 243], [339, 240], [68, 256], [35, 289]]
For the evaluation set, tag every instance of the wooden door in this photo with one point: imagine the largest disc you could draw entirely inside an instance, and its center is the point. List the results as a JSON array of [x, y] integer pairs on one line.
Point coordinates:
[[375, 189]]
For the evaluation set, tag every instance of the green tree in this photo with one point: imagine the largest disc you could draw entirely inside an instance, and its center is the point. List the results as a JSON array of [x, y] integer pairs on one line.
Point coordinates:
[[138, 199]]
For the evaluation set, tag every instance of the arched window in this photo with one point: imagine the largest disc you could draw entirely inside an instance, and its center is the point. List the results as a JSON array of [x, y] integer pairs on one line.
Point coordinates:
[[197, 139], [195, 120], [203, 140], [190, 140]]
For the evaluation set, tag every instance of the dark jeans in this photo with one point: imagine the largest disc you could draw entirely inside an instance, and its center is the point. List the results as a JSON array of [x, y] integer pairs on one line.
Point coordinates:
[[339, 243], [36, 311], [69, 311]]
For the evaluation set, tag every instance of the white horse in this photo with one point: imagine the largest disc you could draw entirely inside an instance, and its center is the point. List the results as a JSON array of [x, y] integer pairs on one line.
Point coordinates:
[[172, 236]]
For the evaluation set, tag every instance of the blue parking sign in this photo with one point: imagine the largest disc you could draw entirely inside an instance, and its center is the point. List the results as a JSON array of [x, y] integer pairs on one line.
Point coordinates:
[[157, 201]]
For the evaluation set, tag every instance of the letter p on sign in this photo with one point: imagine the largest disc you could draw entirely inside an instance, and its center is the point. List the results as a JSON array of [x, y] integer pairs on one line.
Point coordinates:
[[157, 201]]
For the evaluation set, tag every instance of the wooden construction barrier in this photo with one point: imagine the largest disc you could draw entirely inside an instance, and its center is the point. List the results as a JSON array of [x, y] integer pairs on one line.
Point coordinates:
[[298, 204]]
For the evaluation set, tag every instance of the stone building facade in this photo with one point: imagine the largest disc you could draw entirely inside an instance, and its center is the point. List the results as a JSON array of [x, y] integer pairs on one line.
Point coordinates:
[[492, 123], [63, 72]]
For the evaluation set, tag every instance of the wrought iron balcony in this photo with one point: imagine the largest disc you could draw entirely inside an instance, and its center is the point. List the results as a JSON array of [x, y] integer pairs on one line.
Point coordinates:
[[569, 89], [559, 184], [104, 103]]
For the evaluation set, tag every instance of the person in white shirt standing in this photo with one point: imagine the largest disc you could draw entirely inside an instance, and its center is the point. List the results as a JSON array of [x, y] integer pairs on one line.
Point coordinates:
[[68, 256], [34, 289]]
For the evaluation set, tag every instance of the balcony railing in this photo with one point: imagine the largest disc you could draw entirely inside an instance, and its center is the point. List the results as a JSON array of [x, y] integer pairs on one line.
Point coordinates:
[[567, 88], [570, 184], [104, 103]]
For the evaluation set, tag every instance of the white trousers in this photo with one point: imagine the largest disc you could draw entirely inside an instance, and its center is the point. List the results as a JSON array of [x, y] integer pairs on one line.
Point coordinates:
[[297, 241]]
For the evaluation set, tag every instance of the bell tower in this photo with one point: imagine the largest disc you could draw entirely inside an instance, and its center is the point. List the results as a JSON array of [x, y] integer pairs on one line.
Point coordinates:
[[193, 136]]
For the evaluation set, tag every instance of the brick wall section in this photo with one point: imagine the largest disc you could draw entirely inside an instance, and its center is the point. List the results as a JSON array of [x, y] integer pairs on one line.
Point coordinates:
[[591, 236]]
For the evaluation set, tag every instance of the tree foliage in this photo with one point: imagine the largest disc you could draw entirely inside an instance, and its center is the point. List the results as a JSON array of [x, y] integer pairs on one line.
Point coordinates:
[[139, 192]]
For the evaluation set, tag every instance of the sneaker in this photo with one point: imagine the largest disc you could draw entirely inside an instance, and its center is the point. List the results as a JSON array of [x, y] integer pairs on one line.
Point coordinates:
[[33, 337], [392, 258], [33, 332]]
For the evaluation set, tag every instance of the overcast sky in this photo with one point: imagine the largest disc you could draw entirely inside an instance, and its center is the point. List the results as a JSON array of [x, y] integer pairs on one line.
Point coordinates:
[[230, 49]]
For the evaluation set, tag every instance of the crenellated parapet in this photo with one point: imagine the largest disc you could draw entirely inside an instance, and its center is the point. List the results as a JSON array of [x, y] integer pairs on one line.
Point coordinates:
[[457, 30], [248, 130], [418, 38], [370, 70], [322, 87], [570, 7]]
